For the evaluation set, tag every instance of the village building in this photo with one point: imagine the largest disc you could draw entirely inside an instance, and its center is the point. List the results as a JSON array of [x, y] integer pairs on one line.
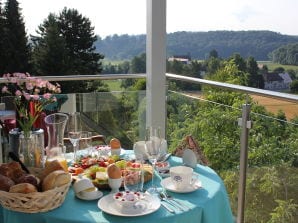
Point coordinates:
[[277, 82]]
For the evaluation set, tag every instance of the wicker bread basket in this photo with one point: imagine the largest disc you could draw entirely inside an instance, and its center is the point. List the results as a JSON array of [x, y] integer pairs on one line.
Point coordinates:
[[34, 202]]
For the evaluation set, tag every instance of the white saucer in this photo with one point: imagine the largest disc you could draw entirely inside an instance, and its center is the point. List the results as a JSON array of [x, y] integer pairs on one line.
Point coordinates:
[[167, 184], [97, 196], [146, 205]]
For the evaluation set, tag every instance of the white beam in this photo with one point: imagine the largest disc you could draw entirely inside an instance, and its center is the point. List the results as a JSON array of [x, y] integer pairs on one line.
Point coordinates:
[[156, 64]]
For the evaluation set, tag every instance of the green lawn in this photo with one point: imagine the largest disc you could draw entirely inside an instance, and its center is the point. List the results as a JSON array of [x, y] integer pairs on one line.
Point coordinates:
[[271, 66]]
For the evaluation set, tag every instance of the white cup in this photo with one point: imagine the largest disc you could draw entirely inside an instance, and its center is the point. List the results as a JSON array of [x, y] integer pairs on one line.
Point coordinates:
[[182, 176]]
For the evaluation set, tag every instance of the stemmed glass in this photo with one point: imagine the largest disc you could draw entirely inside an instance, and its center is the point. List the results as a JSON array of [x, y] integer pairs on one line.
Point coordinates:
[[74, 137], [74, 132], [153, 150]]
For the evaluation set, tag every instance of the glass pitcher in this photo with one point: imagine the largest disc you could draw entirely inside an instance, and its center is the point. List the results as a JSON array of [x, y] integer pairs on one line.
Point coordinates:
[[55, 150]]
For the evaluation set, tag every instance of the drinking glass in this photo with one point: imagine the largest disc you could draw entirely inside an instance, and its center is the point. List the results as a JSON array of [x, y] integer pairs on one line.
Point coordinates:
[[133, 179], [74, 137], [74, 132], [153, 151], [86, 143]]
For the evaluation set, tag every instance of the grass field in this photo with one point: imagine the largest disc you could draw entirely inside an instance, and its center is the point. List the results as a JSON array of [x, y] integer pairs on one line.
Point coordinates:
[[271, 66]]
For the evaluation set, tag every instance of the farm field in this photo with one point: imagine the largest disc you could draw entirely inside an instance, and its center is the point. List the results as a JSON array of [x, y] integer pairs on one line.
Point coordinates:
[[274, 105]]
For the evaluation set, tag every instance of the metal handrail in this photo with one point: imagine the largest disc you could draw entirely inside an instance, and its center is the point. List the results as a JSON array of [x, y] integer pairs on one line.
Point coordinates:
[[86, 77], [249, 90]]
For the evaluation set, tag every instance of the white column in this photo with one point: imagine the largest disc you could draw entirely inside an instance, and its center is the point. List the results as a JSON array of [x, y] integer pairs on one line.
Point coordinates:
[[156, 64]]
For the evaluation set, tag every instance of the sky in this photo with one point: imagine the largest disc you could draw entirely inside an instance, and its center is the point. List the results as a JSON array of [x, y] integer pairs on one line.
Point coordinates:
[[110, 17]]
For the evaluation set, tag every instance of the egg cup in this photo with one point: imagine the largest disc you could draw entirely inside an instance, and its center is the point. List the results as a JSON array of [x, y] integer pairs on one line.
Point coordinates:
[[116, 151], [115, 184]]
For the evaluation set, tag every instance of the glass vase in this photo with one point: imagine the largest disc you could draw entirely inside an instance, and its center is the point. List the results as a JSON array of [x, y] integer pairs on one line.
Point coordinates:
[[26, 149]]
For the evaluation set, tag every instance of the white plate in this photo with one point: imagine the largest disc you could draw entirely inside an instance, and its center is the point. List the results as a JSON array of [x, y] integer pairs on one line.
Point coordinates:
[[147, 205], [98, 195], [167, 184]]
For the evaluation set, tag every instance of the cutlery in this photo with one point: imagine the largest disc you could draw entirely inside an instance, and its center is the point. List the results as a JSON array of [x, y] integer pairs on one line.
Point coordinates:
[[164, 157], [164, 205], [169, 197], [164, 198]]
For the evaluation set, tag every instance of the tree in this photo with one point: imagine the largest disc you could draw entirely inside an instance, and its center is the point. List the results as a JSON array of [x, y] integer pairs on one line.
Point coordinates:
[[16, 54], [213, 53], [72, 37], [2, 41], [239, 61], [50, 49], [279, 70], [254, 78], [137, 65], [294, 86], [286, 54]]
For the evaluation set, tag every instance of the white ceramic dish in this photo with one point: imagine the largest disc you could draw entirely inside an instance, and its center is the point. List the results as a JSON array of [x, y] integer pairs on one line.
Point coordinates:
[[167, 184], [146, 205], [127, 199], [82, 184], [96, 196]]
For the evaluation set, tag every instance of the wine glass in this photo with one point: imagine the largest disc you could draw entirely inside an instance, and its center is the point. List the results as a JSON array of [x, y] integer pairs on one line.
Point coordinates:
[[74, 137], [86, 143], [153, 150], [74, 132]]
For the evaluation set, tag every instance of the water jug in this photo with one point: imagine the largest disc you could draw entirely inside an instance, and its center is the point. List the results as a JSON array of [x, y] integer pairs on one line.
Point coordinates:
[[55, 124]]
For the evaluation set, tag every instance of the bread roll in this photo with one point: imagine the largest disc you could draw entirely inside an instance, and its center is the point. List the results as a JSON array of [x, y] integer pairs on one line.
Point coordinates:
[[115, 143], [5, 183], [50, 167], [56, 178], [24, 188], [29, 178], [13, 170]]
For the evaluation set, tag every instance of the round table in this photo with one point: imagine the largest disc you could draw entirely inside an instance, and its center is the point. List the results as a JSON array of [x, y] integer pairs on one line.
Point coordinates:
[[209, 204]]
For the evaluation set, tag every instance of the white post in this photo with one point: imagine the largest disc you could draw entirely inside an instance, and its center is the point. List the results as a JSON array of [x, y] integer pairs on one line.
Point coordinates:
[[156, 64]]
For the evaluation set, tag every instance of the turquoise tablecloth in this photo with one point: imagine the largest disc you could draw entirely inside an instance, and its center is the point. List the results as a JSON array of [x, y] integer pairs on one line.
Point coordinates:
[[208, 205]]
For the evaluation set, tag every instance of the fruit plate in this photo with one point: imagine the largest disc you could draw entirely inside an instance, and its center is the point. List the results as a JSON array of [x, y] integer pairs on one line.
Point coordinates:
[[147, 205], [96, 170]]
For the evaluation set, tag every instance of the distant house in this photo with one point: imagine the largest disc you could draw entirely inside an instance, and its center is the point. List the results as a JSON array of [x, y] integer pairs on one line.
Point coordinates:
[[276, 82], [182, 58]]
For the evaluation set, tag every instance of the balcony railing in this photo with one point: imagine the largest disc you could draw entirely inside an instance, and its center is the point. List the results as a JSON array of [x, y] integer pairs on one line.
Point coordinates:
[[97, 106]]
